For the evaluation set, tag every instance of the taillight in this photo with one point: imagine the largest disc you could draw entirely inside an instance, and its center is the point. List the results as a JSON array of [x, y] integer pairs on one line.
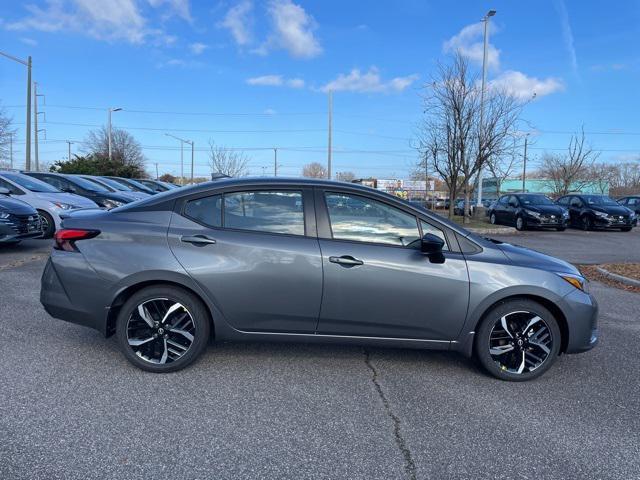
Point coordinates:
[[66, 238]]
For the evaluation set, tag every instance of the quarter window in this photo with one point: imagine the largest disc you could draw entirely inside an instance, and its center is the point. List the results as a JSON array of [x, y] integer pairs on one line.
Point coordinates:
[[265, 211], [207, 210], [358, 218]]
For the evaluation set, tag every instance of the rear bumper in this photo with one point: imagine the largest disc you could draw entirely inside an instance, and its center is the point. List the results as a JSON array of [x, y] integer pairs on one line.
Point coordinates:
[[581, 311], [78, 304]]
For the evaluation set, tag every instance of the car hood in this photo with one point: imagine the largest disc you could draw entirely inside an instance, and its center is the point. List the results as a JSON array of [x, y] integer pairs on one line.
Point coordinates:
[[611, 210], [545, 209], [530, 258], [18, 207], [69, 198]]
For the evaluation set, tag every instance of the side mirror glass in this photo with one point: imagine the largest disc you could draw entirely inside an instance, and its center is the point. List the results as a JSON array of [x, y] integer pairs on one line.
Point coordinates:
[[431, 244], [4, 191]]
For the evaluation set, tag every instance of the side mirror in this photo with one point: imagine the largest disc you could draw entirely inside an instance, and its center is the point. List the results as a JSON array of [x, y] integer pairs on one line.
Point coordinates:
[[431, 244], [513, 204], [4, 191]]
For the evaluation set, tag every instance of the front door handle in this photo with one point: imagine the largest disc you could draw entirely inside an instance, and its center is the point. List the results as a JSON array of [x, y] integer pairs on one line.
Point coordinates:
[[346, 260], [199, 240]]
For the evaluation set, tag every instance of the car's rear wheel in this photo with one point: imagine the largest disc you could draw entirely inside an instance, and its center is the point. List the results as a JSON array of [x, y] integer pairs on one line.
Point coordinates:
[[47, 224], [520, 225], [492, 218], [518, 340], [162, 329]]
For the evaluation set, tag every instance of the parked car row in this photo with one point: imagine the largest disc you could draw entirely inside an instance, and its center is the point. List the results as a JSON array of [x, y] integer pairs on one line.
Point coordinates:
[[49, 195], [586, 211]]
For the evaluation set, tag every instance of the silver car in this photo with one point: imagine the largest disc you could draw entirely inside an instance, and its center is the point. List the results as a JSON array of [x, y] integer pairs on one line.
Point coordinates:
[[310, 261], [50, 202]]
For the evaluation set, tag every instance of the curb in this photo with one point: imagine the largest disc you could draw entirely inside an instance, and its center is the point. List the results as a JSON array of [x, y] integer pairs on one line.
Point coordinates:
[[619, 278], [493, 231]]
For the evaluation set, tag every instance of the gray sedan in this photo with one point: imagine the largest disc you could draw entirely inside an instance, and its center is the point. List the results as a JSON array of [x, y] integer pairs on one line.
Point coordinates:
[[310, 261]]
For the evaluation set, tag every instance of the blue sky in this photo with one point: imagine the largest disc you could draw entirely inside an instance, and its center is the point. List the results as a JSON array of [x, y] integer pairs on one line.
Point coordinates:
[[253, 74]]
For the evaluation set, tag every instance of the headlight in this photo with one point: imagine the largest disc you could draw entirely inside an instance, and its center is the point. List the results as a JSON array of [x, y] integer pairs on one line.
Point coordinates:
[[109, 203], [63, 206], [576, 280], [602, 214], [532, 213], [4, 215]]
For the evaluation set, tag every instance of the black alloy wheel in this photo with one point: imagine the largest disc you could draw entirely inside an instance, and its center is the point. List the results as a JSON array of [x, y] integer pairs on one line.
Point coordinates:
[[519, 340], [162, 329]]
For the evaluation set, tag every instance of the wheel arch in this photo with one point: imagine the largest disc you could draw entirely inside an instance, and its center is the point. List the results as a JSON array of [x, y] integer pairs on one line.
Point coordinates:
[[466, 345], [126, 293]]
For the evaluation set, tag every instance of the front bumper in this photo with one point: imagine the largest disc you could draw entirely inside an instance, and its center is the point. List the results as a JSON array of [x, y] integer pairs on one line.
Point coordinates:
[[582, 321], [614, 222], [19, 227], [547, 221]]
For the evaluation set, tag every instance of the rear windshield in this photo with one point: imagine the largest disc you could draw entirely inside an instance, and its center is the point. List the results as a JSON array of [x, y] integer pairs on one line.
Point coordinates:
[[30, 183]]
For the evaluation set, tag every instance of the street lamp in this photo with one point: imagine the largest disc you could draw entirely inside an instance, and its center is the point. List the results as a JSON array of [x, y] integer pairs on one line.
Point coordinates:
[[182, 142], [111, 110], [486, 18], [27, 63]]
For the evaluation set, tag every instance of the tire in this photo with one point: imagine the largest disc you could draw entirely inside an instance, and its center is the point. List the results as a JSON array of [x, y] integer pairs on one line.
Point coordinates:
[[48, 225], [518, 313], [520, 224], [170, 349], [492, 218], [560, 229], [626, 229], [586, 223]]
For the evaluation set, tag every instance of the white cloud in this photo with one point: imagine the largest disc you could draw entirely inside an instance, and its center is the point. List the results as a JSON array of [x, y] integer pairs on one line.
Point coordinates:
[[29, 41], [270, 111], [293, 30], [276, 81], [197, 48], [519, 85], [567, 33], [238, 21], [111, 20], [179, 63], [179, 7], [470, 43], [368, 82]]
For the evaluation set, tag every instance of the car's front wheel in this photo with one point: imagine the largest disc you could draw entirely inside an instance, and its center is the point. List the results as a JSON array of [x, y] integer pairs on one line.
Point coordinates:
[[520, 224], [47, 224], [492, 218], [518, 340], [162, 329]]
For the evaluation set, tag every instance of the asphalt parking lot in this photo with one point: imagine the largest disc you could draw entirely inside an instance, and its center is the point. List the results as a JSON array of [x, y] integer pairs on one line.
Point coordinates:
[[71, 407]]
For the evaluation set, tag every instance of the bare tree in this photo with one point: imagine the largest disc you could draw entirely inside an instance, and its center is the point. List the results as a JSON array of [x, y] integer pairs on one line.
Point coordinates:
[[345, 176], [124, 147], [507, 164], [314, 170], [570, 171], [228, 162], [6, 131]]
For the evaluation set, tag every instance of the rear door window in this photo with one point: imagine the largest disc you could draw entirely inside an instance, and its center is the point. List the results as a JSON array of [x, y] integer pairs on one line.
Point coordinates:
[[270, 211]]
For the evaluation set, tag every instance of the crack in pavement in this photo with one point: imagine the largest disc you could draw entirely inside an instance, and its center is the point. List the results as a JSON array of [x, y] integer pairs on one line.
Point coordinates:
[[409, 464]]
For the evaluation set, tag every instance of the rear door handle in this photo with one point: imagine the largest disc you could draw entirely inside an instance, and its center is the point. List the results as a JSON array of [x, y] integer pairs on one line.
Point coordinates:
[[346, 260], [200, 240]]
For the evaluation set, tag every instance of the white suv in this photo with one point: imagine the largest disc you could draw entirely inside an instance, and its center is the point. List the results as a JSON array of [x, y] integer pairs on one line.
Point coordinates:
[[47, 200]]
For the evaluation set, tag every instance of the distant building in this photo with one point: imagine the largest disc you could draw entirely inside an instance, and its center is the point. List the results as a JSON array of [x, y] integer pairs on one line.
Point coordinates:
[[535, 185]]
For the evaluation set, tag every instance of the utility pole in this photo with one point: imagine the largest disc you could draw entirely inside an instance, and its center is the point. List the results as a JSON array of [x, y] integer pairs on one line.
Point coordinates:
[[330, 129], [524, 167], [36, 130], [486, 18], [11, 150], [275, 162], [156, 170], [192, 154], [426, 179], [69, 142], [111, 110], [182, 142], [27, 149]]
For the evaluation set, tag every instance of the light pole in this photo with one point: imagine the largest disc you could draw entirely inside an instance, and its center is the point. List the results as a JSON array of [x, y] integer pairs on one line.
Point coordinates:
[[27, 63], [182, 142], [111, 110], [275, 162], [69, 142], [486, 18]]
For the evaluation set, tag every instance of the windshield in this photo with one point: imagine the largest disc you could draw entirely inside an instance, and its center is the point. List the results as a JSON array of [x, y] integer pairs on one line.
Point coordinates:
[[600, 200], [115, 185], [31, 184], [535, 200], [86, 184], [142, 187]]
